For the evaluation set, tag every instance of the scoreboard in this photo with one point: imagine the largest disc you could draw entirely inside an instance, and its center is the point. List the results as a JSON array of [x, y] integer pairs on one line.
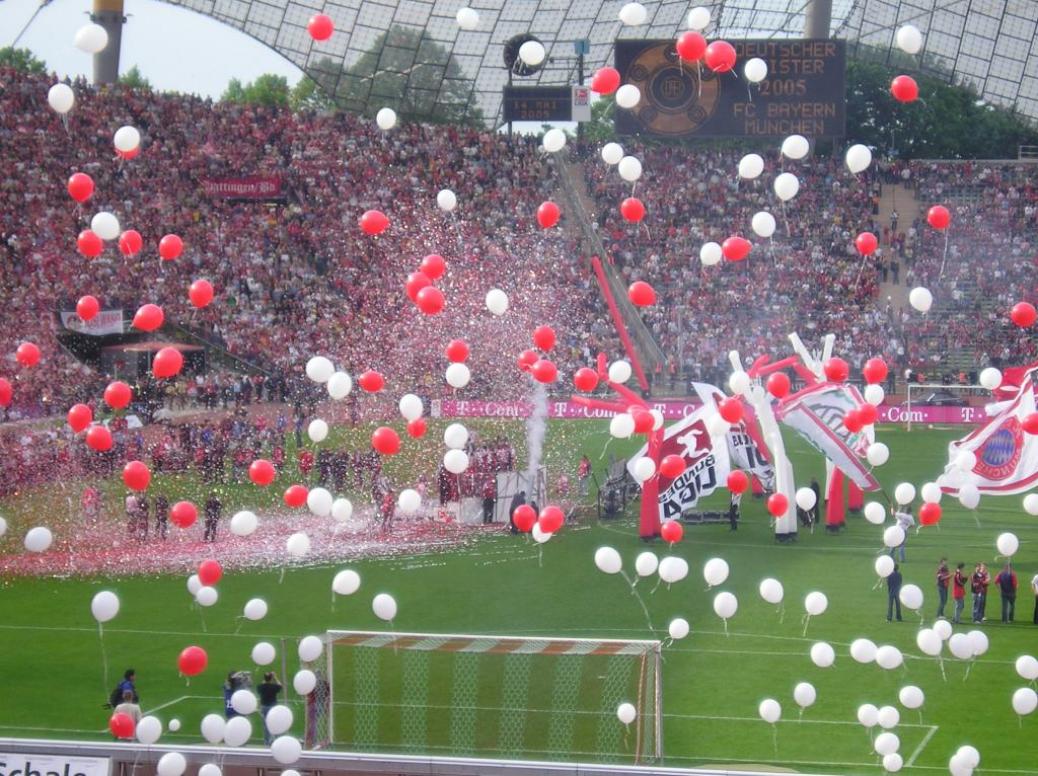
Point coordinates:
[[547, 103], [804, 92]]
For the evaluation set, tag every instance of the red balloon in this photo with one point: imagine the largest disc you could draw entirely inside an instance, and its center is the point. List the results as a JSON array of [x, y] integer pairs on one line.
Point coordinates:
[[738, 482], [371, 381], [118, 395], [148, 317], [632, 209], [209, 572], [457, 351], [433, 266], [720, 56], [136, 475], [938, 217], [430, 300], [778, 384], [6, 392], [416, 428], [121, 725], [27, 354], [416, 281], [295, 495], [262, 472], [671, 531], [527, 359], [385, 441], [672, 466], [320, 26], [585, 379], [80, 187], [731, 409], [131, 154], [852, 421], [544, 371], [868, 414], [130, 242], [736, 248], [866, 243], [88, 307], [168, 363], [99, 438], [200, 293], [373, 222], [89, 244], [551, 518], [183, 514], [930, 514], [836, 369], [170, 247], [643, 420], [544, 337], [691, 46], [874, 371], [548, 214], [904, 88], [1023, 314], [1030, 423], [606, 80], [777, 504], [192, 661], [79, 417], [524, 518], [641, 294]]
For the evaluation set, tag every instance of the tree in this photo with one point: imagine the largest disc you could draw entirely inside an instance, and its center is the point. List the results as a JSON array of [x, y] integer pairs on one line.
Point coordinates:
[[600, 129], [269, 90], [134, 79], [22, 59], [407, 71]]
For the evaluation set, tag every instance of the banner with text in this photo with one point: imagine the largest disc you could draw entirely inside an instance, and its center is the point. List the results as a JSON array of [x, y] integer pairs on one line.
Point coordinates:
[[257, 187], [52, 765], [104, 323]]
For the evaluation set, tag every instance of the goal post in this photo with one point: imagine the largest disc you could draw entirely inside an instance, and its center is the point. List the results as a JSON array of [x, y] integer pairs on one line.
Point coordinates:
[[919, 392], [499, 697]]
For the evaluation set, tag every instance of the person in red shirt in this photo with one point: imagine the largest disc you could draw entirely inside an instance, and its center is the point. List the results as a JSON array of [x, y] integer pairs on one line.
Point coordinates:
[[959, 591], [305, 461]]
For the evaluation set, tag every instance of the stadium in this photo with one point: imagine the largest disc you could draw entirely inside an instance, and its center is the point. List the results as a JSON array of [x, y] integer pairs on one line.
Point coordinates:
[[581, 387]]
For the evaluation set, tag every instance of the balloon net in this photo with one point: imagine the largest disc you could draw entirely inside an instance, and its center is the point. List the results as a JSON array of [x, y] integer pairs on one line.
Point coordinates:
[[496, 697]]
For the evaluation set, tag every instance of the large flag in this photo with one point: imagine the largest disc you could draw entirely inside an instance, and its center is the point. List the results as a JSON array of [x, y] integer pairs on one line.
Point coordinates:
[[1007, 457], [746, 447], [817, 413]]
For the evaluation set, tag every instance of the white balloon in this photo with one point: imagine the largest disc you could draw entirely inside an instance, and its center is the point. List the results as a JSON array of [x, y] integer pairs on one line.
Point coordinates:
[[467, 18], [628, 96], [298, 545], [126, 139], [699, 18], [646, 564], [884, 565], [875, 513], [455, 461], [446, 200], [310, 648], [657, 419], [384, 607], [104, 606], [763, 224], [319, 502], [904, 493], [286, 749], [858, 158], [943, 629], [804, 694], [969, 755], [911, 697], [237, 732], [148, 730], [929, 642], [1027, 667], [194, 584], [385, 119], [532, 53], [538, 535], [886, 743], [455, 436], [279, 719], [959, 646], [346, 582], [411, 407], [243, 701], [965, 460], [868, 715], [319, 369], [409, 499], [1007, 544], [554, 140], [673, 569], [678, 628], [210, 769], [621, 426], [61, 98], [795, 147], [921, 299], [92, 38], [171, 764], [339, 385], [633, 14], [626, 713], [755, 70], [863, 650], [751, 165], [612, 153], [38, 539], [909, 39], [877, 454], [725, 605], [620, 371], [786, 186], [711, 254], [978, 642], [893, 762], [969, 496], [888, 717], [806, 499], [770, 710], [644, 468], [497, 301], [1031, 503], [715, 571], [174, 727], [213, 726], [608, 560], [874, 394], [894, 536], [630, 169], [3, 526], [990, 378], [771, 590], [304, 682], [342, 510], [931, 493], [263, 653], [457, 375], [105, 225], [717, 426], [822, 654], [206, 596], [739, 382], [911, 596], [1025, 701], [816, 603], [317, 430]]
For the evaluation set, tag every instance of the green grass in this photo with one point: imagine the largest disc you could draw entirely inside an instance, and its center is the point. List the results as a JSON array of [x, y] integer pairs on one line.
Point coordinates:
[[713, 682]]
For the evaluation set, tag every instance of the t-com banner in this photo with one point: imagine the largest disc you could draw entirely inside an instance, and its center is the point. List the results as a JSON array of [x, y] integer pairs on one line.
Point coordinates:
[[803, 94]]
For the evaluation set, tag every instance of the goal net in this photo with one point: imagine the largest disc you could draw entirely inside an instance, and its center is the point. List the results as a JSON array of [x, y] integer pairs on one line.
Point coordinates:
[[498, 697], [938, 404]]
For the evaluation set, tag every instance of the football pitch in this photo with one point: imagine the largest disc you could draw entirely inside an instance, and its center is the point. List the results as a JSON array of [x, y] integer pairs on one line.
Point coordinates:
[[712, 681]]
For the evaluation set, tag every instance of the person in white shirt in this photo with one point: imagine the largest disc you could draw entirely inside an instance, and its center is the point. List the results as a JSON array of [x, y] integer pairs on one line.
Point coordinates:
[[905, 521], [129, 708], [1034, 589]]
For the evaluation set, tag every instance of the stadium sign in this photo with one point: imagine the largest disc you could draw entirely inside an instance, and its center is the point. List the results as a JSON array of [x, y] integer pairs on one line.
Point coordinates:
[[104, 323], [52, 765], [803, 94], [258, 187], [547, 103]]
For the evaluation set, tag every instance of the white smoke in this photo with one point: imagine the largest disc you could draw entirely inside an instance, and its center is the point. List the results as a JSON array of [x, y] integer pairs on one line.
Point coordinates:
[[536, 425]]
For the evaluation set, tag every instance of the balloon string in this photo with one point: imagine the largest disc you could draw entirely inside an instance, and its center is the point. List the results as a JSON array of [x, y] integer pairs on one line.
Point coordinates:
[[656, 586], [104, 656], [785, 219], [725, 621], [201, 615], [807, 621], [781, 613], [774, 737], [944, 259], [940, 662], [635, 593], [282, 577], [540, 556], [969, 667]]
